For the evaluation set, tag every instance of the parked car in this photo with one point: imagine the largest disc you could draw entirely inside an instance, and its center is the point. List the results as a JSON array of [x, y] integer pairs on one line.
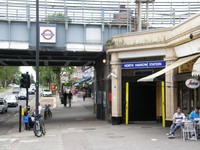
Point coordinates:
[[22, 95], [3, 106], [46, 93], [16, 90], [32, 86], [31, 90], [11, 100]]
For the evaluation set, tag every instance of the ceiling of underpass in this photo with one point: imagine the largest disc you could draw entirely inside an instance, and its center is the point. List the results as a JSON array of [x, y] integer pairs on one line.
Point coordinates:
[[48, 58]]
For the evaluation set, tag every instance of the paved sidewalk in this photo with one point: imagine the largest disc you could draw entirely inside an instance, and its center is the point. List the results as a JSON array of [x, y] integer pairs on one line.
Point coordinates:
[[76, 128]]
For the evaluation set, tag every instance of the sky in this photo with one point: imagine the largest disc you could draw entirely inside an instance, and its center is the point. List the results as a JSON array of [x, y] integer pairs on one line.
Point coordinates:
[[28, 69]]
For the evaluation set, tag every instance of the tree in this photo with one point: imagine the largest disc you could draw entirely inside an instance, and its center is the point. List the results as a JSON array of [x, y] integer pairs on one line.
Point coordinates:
[[52, 74], [57, 71], [8, 75], [68, 71]]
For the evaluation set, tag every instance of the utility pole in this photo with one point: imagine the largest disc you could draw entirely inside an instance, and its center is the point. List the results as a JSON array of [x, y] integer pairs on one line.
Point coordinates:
[[37, 56]]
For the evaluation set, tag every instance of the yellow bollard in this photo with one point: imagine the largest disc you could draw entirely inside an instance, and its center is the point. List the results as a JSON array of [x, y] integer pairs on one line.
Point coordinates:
[[22, 111], [127, 103]]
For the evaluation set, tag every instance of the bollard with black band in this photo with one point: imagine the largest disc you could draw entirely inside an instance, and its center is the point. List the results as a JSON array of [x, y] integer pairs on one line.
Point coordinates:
[[20, 118]]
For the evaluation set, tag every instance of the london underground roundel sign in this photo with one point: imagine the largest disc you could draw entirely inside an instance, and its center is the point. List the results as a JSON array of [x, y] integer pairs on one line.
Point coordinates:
[[47, 34], [192, 83]]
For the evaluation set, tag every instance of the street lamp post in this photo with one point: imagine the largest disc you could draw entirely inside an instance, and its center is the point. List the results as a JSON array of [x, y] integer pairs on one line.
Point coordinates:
[[37, 56]]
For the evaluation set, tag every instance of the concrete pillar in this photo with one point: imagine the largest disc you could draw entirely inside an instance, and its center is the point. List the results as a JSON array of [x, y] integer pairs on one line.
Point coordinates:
[[171, 91], [116, 89]]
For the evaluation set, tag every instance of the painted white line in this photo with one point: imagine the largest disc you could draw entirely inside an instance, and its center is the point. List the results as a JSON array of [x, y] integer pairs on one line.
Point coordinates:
[[28, 141], [153, 139], [50, 135], [16, 114], [8, 139]]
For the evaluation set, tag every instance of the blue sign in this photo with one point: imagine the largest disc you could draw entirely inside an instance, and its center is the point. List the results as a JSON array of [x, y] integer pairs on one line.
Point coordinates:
[[144, 64]]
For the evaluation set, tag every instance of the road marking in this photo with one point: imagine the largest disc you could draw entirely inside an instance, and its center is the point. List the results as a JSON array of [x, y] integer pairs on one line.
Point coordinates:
[[11, 140], [51, 135], [28, 141]]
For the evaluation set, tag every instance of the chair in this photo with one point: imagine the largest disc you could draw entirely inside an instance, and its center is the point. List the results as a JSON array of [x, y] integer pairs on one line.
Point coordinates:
[[189, 131]]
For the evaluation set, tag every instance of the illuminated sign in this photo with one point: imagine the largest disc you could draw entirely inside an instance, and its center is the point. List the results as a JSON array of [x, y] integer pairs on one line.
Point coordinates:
[[143, 64]]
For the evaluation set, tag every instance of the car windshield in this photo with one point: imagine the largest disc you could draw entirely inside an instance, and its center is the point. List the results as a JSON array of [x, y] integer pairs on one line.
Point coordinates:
[[1, 102]]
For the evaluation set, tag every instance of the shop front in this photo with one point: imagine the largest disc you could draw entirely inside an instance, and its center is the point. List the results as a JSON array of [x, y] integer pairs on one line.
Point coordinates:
[[178, 48], [187, 88]]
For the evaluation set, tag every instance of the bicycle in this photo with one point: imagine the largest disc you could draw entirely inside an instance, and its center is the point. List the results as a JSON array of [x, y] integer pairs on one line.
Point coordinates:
[[39, 127], [47, 112]]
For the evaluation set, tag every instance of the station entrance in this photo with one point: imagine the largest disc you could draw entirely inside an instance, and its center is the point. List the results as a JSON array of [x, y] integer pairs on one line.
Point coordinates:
[[142, 100]]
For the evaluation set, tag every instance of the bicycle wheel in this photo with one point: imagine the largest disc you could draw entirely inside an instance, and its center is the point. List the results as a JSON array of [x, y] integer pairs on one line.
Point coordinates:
[[43, 128], [37, 129]]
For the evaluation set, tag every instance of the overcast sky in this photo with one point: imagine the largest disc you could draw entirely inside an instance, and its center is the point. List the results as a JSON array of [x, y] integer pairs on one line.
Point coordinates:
[[28, 69]]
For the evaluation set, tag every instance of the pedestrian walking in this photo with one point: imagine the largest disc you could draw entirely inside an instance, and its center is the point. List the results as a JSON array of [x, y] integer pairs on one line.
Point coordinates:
[[84, 96], [70, 98], [65, 95]]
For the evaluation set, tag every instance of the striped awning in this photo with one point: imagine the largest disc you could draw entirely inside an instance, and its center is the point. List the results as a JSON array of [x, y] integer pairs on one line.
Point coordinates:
[[176, 64]]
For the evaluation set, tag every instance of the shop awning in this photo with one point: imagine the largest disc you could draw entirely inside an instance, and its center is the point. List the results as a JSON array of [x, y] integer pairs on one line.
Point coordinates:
[[196, 68], [179, 62], [81, 81]]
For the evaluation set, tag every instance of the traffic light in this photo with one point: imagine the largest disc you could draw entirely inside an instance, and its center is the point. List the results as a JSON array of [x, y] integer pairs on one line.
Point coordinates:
[[25, 80]]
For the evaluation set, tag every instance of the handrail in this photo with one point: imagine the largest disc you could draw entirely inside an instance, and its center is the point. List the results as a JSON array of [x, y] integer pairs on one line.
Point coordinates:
[[100, 11]]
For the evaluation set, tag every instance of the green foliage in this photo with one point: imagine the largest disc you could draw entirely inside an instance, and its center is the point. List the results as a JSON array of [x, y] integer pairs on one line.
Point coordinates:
[[68, 71], [57, 18], [9, 74], [110, 43], [53, 73], [47, 75], [32, 79]]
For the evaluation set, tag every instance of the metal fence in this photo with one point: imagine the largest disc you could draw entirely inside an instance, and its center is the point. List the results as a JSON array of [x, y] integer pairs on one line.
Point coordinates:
[[155, 14]]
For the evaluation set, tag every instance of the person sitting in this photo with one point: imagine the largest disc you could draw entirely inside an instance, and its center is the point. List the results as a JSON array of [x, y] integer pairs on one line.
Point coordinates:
[[195, 114], [178, 119]]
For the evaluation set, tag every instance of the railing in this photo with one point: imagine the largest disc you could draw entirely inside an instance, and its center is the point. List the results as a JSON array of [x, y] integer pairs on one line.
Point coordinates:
[[124, 12]]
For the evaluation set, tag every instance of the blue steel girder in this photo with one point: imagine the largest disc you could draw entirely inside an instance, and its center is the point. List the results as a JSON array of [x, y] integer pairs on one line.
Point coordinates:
[[78, 45]]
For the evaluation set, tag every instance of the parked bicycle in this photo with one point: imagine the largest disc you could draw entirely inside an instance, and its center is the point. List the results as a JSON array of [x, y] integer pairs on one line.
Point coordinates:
[[39, 127], [47, 112]]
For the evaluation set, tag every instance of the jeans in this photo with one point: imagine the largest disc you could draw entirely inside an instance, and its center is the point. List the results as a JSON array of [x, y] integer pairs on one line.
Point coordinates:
[[174, 127]]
